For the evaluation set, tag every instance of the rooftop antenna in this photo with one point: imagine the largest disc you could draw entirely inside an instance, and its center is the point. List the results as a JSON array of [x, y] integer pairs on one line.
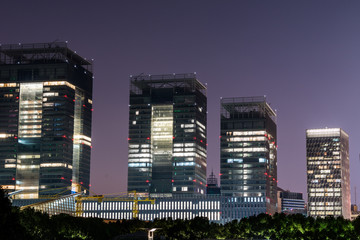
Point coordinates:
[[355, 196]]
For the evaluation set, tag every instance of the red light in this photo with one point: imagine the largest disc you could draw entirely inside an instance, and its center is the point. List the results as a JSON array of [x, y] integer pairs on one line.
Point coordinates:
[[70, 180], [17, 97], [201, 141], [84, 105], [64, 136], [147, 181], [194, 138], [62, 178], [269, 175], [89, 185], [148, 138], [13, 179], [265, 135], [173, 137], [65, 96], [206, 144], [265, 173], [194, 180], [81, 183], [201, 183], [15, 137], [274, 179], [220, 136], [129, 139], [277, 180], [220, 174], [90, 146], [92, 109], [172, 180], [206, 185], [73, 100]]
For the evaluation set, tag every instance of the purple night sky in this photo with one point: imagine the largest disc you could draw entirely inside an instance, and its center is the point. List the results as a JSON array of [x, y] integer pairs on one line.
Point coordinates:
[[303, 55]]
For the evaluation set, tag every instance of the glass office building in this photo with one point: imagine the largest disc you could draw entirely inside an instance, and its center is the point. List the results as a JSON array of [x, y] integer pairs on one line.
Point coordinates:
[[328, 174], [248, 151], [167, 135], [45, 119], [290, 202]]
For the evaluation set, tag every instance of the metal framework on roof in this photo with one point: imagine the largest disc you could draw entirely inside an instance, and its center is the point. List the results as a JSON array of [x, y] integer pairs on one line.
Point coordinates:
[[186, 80], [54, 52], [246, 105], [64, 204]]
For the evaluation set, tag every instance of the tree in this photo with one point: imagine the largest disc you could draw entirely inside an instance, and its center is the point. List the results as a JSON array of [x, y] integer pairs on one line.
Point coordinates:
[[10, 227]]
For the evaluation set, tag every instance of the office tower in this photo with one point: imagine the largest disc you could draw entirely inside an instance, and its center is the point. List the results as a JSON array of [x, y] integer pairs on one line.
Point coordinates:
[[290, 202], [328, 176], [212, 187], [45, 119], [248, 151], [167, 135]]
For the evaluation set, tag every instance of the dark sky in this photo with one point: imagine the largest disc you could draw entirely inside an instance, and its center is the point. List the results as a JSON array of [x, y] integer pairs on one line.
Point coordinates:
[[303, 55]]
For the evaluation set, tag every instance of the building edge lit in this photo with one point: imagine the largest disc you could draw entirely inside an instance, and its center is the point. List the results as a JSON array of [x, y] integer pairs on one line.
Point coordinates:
[[45, 132], [328, 173], [248, 151], [167, 135]]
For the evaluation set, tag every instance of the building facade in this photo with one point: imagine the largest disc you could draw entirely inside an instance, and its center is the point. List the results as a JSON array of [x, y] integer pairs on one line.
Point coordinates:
[[167, 135], [248, 151], [45, 119], [216, 208], [328, 176], [291, 202]]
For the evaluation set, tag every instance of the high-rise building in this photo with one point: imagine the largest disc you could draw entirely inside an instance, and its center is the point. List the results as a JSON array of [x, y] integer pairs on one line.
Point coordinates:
[[328, 176], [167, 135], [248, 151], [45, 119]]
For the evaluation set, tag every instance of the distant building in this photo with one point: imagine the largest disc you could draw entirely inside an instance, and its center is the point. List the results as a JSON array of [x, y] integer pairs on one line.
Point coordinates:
[[290, 202], [248, 151], [354, 211], [212, 185], [167, 135], [328, 176], [45, 119]]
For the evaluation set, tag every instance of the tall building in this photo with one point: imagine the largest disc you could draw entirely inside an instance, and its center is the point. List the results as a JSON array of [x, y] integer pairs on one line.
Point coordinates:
[[167, 135], [328, 176], [248, 151], [45, 119]]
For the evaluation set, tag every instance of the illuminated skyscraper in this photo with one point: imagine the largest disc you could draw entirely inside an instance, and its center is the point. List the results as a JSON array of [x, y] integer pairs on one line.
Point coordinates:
[[248, 151], [45, 119], [328, 174], [167, 135]]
